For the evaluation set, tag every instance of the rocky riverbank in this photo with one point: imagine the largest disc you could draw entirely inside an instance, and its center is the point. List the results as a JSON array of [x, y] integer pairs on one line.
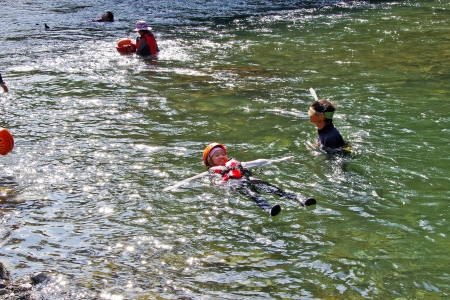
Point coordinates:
[[22, 288]]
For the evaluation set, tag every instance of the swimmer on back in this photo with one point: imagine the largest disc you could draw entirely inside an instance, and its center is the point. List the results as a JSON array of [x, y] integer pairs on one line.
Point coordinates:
[[215, 158]]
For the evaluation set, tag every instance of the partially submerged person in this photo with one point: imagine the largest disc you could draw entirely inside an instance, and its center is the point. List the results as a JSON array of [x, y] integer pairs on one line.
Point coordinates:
[[321, 114], [215, 158], [146, 44], [3, 84], [106, 17]]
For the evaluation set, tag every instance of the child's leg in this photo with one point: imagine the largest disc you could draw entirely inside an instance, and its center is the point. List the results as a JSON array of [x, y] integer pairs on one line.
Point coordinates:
[[270, 188], [244, 189]]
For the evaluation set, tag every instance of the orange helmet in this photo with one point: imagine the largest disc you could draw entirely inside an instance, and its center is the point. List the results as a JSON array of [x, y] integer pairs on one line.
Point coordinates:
[[208, 150], [6, 141]]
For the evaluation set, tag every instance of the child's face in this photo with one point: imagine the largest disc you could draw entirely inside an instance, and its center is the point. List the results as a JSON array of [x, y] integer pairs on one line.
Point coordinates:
[[219, 158]]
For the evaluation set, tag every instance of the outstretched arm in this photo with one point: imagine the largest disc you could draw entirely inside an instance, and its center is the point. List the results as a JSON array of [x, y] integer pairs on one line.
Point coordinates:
[[260, 162], [253, 163]]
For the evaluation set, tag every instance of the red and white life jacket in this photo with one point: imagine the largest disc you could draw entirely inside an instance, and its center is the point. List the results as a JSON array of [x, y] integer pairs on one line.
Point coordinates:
[[230, 170]]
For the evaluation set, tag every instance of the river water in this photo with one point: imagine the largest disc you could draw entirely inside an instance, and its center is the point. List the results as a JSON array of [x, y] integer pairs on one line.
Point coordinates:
[[99, 135]]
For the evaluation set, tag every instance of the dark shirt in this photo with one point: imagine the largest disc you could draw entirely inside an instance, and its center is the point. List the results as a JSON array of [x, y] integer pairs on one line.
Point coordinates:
[[1, 80], [145, 49], [329, 138]]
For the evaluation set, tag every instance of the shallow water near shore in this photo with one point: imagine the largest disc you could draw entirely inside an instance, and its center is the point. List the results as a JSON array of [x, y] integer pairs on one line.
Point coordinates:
[[98, 136]]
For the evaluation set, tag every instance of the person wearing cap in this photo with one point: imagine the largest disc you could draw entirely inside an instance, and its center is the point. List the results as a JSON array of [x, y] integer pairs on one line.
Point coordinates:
[[3, 84], [146, 44], [106, 17], [216, 160], [321, 114]]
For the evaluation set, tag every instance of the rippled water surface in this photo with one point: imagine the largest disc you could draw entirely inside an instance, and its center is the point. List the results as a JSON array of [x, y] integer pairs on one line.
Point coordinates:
[[98, 136]]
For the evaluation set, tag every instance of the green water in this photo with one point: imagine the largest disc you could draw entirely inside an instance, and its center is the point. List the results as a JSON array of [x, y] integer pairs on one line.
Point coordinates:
[[98, 136]]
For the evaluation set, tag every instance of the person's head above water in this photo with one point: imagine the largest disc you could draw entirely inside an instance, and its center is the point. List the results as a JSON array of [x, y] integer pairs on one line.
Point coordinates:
[[108, 17], [215, 154], [321, 112]]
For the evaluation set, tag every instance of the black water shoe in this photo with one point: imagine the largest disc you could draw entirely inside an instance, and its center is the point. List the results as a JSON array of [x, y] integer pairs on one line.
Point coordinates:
[[275, 210], [309, 201]]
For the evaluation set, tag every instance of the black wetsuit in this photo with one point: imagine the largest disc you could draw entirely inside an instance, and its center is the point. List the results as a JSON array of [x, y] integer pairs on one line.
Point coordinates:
[[251, 187], [329, 138]]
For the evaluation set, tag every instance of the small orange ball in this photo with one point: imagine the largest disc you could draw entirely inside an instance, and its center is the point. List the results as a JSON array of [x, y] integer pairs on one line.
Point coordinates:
[[6, 141]]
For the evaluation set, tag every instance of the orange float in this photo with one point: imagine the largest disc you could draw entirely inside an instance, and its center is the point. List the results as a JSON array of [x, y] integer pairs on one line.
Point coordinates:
[[126, 46], [124, 42], [6, 141]]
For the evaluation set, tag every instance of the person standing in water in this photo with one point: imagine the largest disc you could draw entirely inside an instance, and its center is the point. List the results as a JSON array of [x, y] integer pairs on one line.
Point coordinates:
[[321, 114], [146, 44], [216, 160], [3, 84]]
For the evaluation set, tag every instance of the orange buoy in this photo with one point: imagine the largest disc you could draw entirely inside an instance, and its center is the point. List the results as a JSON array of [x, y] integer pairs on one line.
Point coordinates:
[[127, 49], [124, 42], [126, 46], [6, 141]]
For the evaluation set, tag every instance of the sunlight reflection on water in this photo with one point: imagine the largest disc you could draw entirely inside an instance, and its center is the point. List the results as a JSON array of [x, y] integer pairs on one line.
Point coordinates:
[[98, 136]]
